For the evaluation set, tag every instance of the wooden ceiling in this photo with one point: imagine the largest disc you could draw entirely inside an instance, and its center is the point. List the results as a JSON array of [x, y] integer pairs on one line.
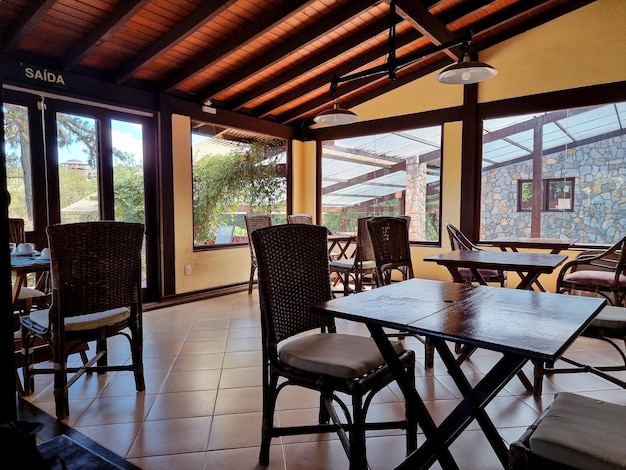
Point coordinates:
[[271, 59]]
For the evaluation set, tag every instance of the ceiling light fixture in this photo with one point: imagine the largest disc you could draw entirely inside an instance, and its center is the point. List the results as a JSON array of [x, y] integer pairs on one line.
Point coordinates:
[[462, 73]]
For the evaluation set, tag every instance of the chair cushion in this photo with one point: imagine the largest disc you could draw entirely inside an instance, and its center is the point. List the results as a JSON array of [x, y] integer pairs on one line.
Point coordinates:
[[90, 321], [611, 318], [485, 273], [594, 278], [30, 293], [338, 355], [342, 264], [368, 264], [582, 432]]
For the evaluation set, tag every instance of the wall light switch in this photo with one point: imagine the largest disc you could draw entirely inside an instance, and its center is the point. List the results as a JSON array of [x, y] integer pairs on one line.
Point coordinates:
[[187, 269]]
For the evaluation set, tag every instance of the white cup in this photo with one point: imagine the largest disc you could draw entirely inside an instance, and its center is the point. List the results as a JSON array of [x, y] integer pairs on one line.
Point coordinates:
[[25, 248], [45, 253]]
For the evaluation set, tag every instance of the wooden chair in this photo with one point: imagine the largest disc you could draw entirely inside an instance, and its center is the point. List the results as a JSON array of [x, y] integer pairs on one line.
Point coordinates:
[[96, 294], [392, 253], [254, 222], [361, 265], [575, 432], [300, 219], [458, 241], [599, 273], [293, 275], [609, 326]]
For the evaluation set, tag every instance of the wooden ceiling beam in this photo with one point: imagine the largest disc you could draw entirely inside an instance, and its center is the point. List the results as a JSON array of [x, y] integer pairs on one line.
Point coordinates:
[[188, 26], [102, 32], [426, 23], [31, 16]]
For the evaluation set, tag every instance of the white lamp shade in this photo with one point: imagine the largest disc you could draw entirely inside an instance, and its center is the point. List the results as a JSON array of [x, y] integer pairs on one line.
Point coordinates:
[[336, 116], [464, 73]]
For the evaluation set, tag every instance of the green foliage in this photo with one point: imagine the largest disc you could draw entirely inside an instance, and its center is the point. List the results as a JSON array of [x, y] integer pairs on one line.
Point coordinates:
[[223, 183]]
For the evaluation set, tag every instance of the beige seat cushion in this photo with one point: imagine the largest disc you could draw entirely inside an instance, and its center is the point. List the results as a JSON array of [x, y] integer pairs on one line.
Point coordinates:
[[337, 355], [85, 322], [611, 318], [582, 432], [30, 293]]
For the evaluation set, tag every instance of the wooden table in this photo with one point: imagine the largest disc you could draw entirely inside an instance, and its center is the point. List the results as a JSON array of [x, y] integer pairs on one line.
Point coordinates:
[[529, 266], [342, 241], [520, 324], [555, 245], [22, 266]]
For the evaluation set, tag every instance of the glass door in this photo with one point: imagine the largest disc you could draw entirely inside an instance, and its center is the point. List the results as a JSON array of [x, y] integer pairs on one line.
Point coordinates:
[[70, 162]]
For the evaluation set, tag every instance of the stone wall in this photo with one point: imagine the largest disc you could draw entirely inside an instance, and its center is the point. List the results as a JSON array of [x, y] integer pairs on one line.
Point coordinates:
[[599, 212]]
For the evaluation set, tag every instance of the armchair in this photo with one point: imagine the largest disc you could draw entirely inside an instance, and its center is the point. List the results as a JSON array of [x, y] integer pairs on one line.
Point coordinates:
[[600, 273]]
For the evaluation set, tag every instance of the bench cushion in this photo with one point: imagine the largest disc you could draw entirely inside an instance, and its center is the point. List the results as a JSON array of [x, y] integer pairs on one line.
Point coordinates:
[[582, 432]]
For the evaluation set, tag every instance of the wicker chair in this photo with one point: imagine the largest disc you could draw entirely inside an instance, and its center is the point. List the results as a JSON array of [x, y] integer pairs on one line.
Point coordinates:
[[293, 259], [610, 326], [300, 219], [96, 294], [359, 266], [576, 432], [254, 222], [458, 241], [392, 253], [600, 273]]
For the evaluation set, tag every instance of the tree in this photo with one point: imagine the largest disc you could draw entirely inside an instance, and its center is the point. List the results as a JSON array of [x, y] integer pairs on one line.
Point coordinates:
[[222, 183], [77, 183]]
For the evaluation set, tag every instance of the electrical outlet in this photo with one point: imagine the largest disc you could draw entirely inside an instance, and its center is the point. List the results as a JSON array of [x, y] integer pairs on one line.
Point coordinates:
[[187, 269]]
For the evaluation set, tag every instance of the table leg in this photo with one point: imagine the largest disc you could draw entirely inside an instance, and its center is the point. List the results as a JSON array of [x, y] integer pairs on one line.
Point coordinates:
[[527, 281], [415, 402], [473, 406]]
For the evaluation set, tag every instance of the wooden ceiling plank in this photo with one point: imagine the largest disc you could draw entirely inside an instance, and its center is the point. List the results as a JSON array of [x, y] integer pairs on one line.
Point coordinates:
[[106, 29], [309, 64], [182, 31], [345, 68], [339, 17], [239, 40], [363, 59], [31, 16]]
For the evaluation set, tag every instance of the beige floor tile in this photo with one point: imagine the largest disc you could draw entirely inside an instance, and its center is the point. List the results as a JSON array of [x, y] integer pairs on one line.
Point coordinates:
[[115, 410], [171, 436], [187, 461], [183, 405], [234, 431]]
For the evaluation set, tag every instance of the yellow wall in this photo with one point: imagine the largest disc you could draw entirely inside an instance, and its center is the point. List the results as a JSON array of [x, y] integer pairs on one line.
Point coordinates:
[[585, 47], [303, 184], [208, 268]]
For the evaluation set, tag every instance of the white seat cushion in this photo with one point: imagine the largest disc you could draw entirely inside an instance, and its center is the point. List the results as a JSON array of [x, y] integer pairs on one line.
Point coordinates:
[[85, 322], [342, 263], [29, 293], [337, 355], [582, 432], [611, 318]]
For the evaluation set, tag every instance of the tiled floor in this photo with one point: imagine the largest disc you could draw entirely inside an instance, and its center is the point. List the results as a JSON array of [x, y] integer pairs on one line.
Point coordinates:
[[202, 404]]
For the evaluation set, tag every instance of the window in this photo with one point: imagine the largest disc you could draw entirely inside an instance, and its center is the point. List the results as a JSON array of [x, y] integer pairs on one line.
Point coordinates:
[[576, 157], [234, 173], [524, 195], [396, 173], [18, 164], [559, 194]]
